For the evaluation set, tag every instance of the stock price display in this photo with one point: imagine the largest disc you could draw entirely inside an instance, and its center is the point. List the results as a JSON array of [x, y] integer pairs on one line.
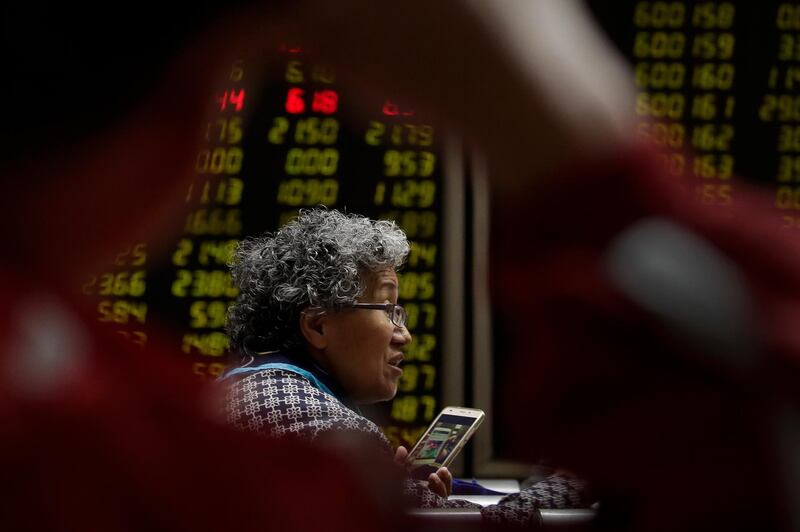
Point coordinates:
[[267, 151], [719, 87]]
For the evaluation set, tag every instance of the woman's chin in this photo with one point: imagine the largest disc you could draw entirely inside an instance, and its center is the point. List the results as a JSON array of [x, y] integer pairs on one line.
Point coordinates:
[[389, 392]]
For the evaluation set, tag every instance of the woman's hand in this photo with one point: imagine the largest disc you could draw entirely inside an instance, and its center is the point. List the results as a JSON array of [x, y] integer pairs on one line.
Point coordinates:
[[441, 482], [400, 456]]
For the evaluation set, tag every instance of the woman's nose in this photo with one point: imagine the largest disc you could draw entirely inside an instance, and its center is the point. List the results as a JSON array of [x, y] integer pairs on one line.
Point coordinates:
[[401, 335]]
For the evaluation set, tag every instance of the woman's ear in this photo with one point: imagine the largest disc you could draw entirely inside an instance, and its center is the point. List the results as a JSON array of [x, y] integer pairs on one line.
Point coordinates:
[[312, 326]]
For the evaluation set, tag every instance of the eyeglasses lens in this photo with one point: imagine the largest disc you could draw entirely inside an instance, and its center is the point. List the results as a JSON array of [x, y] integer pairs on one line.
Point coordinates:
[[399, 316]]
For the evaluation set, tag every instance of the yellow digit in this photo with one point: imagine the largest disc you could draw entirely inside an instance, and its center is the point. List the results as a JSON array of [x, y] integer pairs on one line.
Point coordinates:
[[412, 309], [139, 254], [106, 284], [234, 130], [425, 135], [181, 255], [104, 309], [380, 193], [139, 311], [429, 372], [405, 408], [137, 284], [427, 193], [429, 403], [408, 381], [430, 314], [409, 159], [392, 161], [198, 314], [139, 338], [277, 134], [200, 283], [294, 72], [375, 133], [233, 191], [183, 278]]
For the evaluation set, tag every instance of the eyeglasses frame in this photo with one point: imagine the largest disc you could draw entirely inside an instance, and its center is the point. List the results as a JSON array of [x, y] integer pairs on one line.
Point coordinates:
[[386, 307]]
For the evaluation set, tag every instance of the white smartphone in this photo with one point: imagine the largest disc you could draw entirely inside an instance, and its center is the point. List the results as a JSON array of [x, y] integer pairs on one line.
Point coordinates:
[[443, 440]]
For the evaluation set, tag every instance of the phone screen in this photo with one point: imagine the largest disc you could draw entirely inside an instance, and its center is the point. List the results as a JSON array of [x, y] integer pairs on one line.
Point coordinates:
[[438, 444]]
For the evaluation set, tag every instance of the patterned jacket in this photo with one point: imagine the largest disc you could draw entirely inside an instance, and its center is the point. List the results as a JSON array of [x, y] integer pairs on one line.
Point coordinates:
[[280, 400]]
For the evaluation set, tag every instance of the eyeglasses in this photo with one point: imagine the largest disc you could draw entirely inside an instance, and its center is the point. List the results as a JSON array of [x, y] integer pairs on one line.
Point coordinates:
[[396, 313]]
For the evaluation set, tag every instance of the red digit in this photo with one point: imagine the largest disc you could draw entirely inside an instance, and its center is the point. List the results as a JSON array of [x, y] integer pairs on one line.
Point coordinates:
[[294, 101]]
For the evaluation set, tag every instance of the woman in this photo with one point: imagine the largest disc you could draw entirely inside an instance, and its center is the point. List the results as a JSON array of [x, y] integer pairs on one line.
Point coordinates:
[[319, 328], [320, 332]]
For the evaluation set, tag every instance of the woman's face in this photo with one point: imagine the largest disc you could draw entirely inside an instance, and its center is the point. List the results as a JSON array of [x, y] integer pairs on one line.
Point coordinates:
[[363, 345]]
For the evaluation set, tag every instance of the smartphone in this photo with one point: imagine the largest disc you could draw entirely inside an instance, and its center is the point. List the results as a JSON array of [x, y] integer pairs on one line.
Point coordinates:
[[443, 440]]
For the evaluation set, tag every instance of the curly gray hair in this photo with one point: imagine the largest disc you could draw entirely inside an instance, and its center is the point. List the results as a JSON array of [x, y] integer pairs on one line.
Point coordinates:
[[317, 260]]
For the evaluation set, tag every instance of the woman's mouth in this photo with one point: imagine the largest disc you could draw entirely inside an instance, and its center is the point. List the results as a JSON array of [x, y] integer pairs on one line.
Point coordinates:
[[395, 362]]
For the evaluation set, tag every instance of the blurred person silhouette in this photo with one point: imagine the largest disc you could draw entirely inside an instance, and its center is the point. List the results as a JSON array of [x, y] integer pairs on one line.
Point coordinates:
[[97, 433], [653, 338]]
